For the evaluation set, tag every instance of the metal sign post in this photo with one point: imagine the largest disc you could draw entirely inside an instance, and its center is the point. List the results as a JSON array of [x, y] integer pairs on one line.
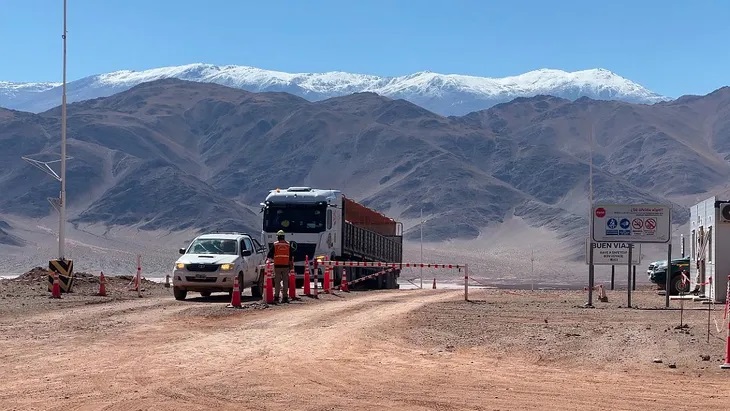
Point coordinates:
[[628, 288], [668, 275]]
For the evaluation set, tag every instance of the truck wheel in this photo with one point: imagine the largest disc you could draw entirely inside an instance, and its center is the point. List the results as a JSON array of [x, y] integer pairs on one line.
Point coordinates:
[[179, 293], [205, 294], [257, 290]]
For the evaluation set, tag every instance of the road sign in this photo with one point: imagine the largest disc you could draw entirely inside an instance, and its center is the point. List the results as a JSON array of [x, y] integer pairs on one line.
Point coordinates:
[[610, 253], [631, 223]]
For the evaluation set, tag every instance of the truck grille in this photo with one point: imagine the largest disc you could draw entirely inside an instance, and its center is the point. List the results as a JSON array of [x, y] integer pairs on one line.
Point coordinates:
[[204, 268]]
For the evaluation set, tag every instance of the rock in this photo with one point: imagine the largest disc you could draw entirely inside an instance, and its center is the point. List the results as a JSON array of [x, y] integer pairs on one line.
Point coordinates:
[[658, 360], [672, 365], [705, 357]]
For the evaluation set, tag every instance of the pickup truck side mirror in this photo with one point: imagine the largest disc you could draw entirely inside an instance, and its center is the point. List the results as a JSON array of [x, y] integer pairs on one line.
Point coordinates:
[[245, 253], [181, 251]]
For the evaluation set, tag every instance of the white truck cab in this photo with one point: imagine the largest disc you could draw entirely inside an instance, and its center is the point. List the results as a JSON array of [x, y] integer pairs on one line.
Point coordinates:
[[211, 262]]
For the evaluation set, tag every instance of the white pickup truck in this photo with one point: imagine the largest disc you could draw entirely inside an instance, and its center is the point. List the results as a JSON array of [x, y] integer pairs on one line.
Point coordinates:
[[211, 262]]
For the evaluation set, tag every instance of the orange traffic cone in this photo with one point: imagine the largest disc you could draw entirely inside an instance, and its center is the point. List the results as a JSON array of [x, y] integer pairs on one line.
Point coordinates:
[[343, 284], [56, 292], [236, 297], [102, 285], [434, 283]]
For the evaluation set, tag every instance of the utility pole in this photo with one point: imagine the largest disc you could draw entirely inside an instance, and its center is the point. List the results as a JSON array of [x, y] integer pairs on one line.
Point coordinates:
[[532, 267], [62, 205], [62, 267]]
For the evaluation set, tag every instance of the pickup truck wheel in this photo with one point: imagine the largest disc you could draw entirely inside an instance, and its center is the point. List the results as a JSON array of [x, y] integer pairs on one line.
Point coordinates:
[[677, 287], [257, 290], [179, 293]]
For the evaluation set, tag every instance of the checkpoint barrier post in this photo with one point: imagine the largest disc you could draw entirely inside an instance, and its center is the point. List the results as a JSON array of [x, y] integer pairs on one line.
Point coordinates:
[[332, 280], [139, 276], [326, 280], [306, 289], [102, 285], [466, 282], [292, 285], [269, 284], [343, 283], [316, 278], [726, 365]]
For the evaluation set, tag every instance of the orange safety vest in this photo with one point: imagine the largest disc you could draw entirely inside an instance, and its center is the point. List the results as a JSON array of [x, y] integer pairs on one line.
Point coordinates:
[[281, 253]]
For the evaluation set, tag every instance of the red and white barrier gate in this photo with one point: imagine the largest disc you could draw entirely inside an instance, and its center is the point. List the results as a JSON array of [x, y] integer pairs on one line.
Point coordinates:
[[726, 365], [387, 267]]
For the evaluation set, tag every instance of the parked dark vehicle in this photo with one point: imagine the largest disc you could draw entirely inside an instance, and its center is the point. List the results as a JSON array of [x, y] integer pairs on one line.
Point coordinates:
[[659, 275]]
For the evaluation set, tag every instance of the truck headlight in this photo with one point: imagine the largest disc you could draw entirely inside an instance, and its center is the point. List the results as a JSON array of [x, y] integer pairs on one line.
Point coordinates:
[[180, 266], [227, 267]]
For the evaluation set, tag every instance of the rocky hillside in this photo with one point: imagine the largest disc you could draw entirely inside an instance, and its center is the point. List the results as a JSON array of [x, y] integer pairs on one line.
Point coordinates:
[[173, 154]]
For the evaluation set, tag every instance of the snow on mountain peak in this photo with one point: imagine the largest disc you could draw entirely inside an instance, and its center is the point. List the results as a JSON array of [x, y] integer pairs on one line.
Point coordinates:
[[442, 93]]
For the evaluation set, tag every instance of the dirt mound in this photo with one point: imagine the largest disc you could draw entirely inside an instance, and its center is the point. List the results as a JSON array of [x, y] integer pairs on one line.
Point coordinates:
[[29, 292], [35, 275], [40, 275]]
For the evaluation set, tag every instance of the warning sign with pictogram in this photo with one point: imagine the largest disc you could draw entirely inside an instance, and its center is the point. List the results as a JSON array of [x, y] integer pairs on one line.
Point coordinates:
[[639, 223], [650, 223]]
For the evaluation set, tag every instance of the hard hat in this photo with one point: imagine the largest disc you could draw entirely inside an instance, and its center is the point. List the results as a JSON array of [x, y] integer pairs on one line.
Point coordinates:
[[280, 233]]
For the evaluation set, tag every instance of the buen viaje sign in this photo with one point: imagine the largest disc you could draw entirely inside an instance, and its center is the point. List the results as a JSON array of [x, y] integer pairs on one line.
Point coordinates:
[[607, 253]]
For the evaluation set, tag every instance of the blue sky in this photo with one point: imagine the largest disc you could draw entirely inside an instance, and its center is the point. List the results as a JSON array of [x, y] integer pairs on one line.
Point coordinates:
[[672, 47]]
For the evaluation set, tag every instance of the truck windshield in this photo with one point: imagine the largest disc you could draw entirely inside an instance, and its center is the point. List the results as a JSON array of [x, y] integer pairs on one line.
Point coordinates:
[[295, 218], [212, 246]]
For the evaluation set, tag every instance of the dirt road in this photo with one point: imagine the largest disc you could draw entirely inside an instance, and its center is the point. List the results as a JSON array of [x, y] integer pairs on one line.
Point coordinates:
[[391, 350]]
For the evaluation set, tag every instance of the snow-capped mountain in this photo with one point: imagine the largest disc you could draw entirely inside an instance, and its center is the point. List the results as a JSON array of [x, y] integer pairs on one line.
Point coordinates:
[[446, 94]]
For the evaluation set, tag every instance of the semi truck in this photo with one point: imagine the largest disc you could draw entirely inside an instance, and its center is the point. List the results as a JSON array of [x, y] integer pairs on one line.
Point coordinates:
[[324, 223]]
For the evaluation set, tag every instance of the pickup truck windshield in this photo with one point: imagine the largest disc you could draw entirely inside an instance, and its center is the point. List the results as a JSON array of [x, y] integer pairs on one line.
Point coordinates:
[[213, 246], [295, 218]]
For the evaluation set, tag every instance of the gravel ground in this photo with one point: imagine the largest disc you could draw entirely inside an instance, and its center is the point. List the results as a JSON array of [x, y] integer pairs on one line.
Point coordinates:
[[388, 350], [553, 327]]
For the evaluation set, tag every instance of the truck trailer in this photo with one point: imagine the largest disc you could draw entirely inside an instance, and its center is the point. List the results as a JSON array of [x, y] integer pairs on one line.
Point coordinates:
[[324, 223]]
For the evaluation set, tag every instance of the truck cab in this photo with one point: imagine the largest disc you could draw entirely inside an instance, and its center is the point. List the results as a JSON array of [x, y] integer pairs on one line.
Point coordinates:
[[309, 218], [212, 261], [323, 223]]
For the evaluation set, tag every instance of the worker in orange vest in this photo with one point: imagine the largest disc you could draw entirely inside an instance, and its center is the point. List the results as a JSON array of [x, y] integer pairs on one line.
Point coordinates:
[[283, 262]]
